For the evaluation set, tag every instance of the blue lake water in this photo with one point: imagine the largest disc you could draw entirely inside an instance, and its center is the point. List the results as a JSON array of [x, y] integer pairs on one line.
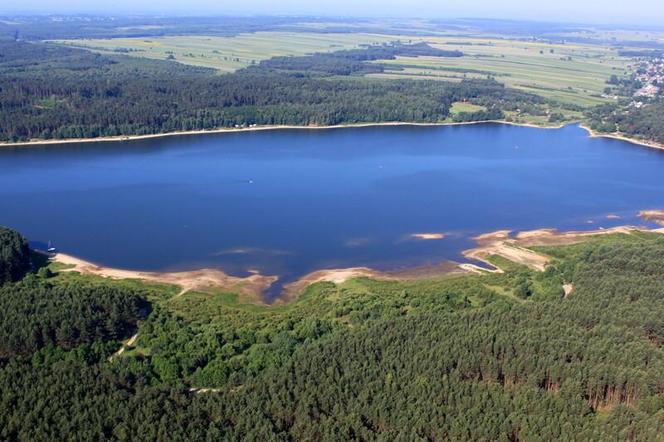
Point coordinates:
[[291, 201]]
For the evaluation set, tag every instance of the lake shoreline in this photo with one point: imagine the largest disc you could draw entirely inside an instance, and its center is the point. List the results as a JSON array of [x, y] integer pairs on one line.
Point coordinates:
[[514, 246], [592, 133], [35, 143], [252, 286], [618, 136]]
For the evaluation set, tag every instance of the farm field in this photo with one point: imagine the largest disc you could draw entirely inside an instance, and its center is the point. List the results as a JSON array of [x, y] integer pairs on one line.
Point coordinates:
[[228, 54], [567, 73]]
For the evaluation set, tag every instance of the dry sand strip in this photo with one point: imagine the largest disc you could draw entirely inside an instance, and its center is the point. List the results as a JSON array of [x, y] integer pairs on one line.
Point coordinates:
[[621, 137], [40, 142], [592, 133], [203, 279], [516, 248], [500, 244]]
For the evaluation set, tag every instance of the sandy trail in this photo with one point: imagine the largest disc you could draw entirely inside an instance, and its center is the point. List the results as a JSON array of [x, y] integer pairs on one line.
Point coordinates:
[[124, 346], [203, 279]]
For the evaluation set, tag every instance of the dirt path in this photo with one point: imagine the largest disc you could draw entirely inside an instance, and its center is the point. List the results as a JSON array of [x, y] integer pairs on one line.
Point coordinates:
[[122, 349]]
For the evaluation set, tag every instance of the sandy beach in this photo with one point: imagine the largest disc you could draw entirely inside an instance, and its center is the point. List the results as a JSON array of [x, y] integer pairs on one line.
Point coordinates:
[[203, 279]]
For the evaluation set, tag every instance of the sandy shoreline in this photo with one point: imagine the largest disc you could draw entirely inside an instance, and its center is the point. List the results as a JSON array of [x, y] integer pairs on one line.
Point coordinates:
[[203, 279], [592, 133], [261, 128], [516, 247], [617, 136], [339, 276], [513, 246]]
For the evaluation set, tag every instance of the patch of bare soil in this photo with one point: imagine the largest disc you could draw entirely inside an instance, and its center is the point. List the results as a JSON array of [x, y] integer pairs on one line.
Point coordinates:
[[517, 248], [339, 276]]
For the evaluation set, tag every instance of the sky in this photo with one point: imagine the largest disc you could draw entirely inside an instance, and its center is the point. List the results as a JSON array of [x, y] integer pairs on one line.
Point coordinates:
[[587, 11]]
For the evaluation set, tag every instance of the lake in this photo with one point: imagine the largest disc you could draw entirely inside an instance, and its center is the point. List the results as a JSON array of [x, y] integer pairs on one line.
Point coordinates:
[[287, 202]]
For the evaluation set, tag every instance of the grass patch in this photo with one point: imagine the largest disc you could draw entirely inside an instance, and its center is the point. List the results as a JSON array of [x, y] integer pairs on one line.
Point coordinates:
[[460, 107]]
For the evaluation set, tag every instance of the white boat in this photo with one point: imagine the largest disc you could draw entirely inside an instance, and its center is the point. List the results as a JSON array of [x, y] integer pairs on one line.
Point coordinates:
[[50, 248]]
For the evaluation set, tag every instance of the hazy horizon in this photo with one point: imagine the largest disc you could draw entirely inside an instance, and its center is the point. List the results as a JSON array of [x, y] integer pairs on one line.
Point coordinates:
[[646, 12]]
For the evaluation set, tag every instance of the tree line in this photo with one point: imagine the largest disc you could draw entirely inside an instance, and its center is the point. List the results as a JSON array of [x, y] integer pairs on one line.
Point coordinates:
[[14, 256], [643, 122]]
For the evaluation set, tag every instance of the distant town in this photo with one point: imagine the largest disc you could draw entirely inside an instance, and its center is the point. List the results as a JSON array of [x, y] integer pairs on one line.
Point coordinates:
[[651, 75]]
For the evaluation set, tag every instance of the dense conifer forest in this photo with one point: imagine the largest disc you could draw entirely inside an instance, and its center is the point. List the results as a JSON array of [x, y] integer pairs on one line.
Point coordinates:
[[644, 123], [462, 358], [53, 92], [14, 256]]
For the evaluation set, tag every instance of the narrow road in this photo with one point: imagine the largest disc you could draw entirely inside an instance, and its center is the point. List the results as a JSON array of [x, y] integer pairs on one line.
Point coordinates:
[[129, 343]]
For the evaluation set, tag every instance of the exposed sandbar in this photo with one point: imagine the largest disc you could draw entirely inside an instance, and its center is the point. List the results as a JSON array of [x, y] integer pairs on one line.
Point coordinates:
[[516, 248], [428, 236], [656, 216]]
